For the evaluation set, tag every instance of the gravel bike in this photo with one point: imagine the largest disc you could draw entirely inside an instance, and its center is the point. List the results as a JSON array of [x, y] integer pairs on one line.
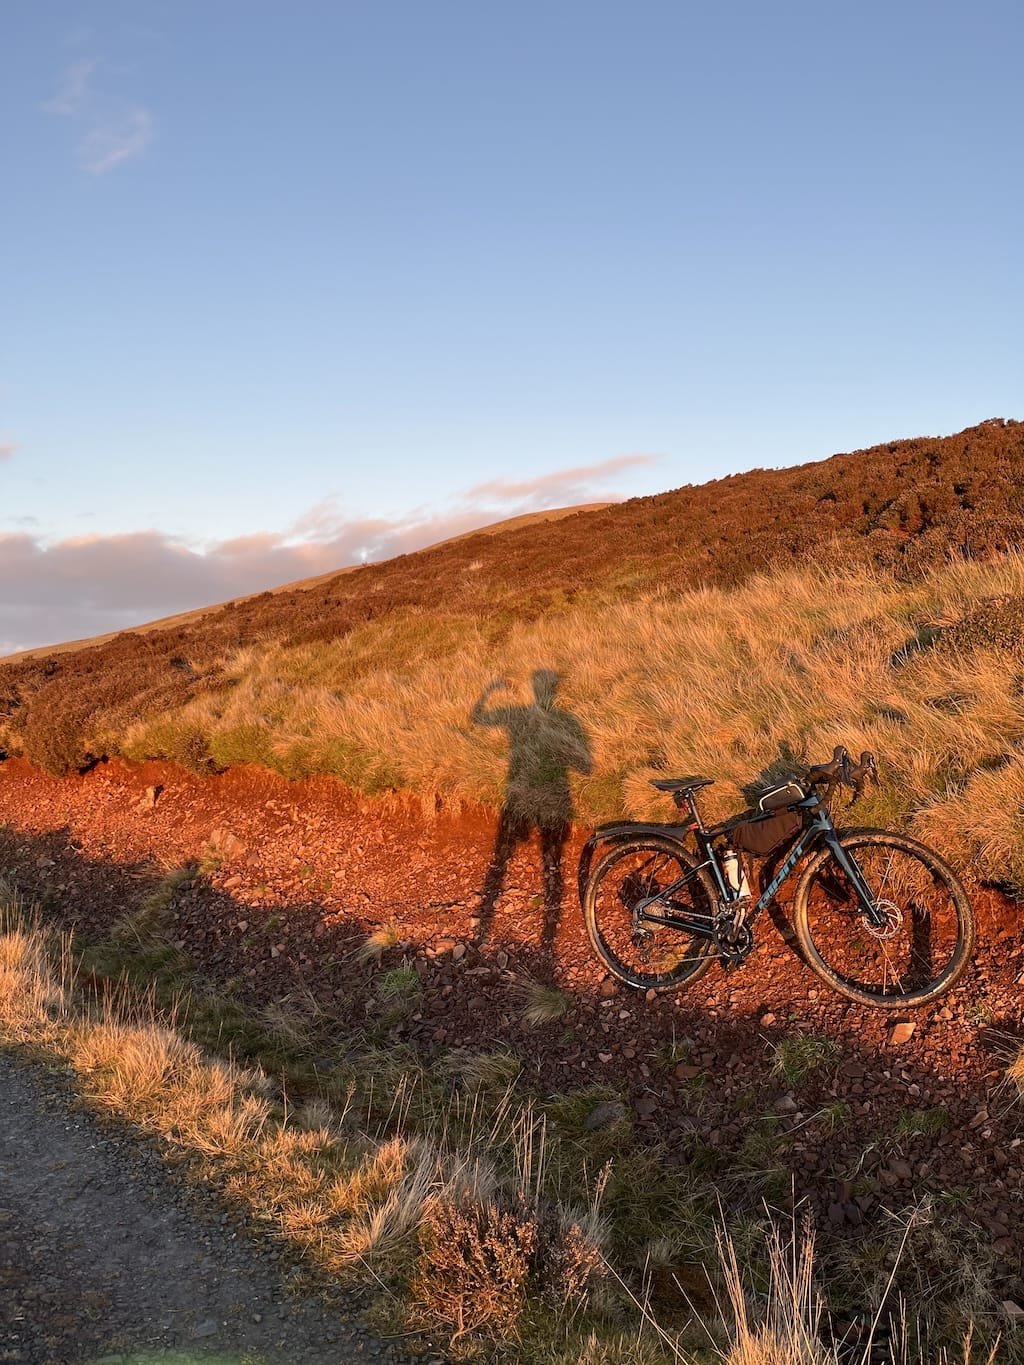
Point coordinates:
[[879, 917]]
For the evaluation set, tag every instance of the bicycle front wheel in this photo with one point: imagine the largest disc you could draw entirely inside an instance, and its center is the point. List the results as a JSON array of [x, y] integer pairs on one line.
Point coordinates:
[[645, 955], [920, 949]]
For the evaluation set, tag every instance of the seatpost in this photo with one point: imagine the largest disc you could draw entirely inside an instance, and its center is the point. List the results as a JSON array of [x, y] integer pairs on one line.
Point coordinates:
[[687, 801]]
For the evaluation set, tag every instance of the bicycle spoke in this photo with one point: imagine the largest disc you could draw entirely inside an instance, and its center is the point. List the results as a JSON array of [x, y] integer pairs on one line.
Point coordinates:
[[659, 879], [915, 939]]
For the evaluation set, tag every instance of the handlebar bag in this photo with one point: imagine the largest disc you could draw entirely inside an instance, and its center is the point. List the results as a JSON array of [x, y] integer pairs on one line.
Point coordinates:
[[767, 833]]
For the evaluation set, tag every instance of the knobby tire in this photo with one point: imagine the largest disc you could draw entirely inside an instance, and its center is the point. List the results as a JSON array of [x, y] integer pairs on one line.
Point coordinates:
[[649, 956], [920, 952]]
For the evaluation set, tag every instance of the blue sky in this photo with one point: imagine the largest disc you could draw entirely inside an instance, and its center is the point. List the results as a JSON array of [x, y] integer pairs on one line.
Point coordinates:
[[283, 285]]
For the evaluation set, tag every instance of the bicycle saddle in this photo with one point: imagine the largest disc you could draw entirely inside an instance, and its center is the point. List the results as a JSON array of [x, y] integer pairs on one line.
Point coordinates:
[[680, 784]]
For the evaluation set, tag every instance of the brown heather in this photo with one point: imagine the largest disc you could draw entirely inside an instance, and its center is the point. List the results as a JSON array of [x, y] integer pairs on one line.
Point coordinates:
[[736, 628]]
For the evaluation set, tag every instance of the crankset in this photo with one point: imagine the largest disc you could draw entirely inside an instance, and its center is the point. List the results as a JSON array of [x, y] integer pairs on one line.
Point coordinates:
[[733, 941]]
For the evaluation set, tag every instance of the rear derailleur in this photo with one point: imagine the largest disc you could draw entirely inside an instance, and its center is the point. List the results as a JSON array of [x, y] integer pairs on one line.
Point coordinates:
[[734, 939]]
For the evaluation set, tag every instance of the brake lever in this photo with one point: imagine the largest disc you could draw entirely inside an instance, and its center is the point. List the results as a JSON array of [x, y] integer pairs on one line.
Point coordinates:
[[858, 774]]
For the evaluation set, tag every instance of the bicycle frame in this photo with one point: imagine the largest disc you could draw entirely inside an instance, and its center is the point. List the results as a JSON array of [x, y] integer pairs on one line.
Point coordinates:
[[820, 829]]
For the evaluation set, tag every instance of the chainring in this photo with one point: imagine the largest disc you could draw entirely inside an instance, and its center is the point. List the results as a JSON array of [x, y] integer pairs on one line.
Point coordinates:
[[733, 941]]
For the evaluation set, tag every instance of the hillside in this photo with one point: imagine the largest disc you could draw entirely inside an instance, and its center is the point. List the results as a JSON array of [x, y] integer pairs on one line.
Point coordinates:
[[403, 980], [191, 618], [727, 626]]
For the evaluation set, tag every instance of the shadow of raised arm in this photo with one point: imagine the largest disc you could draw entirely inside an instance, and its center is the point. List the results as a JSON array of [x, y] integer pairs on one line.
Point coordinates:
[[498, 715]]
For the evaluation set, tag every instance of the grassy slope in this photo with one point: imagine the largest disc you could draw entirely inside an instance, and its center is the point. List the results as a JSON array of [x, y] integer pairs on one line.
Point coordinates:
[[740, 683], [682, 645]]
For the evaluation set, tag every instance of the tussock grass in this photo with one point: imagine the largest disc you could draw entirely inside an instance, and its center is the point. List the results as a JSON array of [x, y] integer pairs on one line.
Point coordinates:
[[377, 944], [35, 973], [1015, 1072], [543, 1004], [147, 922], [493, 1071], [742, 683], [795, 1057], [787, 1326], [401, 985]]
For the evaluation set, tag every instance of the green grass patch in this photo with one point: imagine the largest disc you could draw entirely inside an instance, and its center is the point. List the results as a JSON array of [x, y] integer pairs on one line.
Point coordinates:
[[794, 1058], [399, 986], [915, 1123]]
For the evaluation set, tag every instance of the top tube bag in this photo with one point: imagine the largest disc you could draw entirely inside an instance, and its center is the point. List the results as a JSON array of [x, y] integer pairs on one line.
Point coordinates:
[[783, 794]]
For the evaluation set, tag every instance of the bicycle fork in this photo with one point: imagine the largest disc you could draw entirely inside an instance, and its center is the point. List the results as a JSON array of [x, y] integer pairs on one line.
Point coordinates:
[[868, 901]]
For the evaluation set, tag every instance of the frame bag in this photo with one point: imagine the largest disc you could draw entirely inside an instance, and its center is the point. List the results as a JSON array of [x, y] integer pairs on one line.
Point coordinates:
[[767, 833]]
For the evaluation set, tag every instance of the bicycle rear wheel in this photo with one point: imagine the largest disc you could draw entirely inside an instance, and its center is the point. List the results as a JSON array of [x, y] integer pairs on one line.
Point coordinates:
[[927, 937], [644, 955]]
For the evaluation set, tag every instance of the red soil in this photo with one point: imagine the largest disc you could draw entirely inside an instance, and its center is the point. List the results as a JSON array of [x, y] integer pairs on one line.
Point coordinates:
[[308, 869]]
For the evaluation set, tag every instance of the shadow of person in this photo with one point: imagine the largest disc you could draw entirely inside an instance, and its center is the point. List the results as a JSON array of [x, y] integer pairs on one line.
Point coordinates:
[[545, 745]]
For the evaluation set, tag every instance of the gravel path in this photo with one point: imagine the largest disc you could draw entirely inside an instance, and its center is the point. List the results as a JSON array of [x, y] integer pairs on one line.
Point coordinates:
[[106, 1256]]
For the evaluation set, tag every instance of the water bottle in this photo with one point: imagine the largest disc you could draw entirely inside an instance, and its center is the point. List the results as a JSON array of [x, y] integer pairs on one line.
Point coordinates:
[[734, 873]]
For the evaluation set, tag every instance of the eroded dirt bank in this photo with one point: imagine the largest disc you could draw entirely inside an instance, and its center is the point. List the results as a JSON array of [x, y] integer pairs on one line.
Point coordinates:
[[296, 875]]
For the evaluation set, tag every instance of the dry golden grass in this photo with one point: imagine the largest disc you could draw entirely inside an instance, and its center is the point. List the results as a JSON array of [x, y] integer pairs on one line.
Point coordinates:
[[359, 1203], [741, 684], [788, 1324], [1015, 1072], [376, 944], [543, 1004], [495, 1071], [35, 974], [786, 1327]]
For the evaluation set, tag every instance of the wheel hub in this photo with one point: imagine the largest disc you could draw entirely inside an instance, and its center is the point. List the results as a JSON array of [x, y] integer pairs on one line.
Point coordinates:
[[892, 923], [642, 936]]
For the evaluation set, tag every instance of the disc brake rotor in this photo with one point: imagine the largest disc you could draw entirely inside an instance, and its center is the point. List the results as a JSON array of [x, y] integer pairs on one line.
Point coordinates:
[[893, 920]]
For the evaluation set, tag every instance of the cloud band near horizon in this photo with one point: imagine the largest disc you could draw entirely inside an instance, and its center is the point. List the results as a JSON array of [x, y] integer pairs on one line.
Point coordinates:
[[92, 585]]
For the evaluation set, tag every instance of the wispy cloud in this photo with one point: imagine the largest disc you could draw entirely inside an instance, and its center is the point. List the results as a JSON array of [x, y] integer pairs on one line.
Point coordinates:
[[73, 95], [120, 138], [91, 584], [552, 490], [7, 449], [110, 131], [495, 500]]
